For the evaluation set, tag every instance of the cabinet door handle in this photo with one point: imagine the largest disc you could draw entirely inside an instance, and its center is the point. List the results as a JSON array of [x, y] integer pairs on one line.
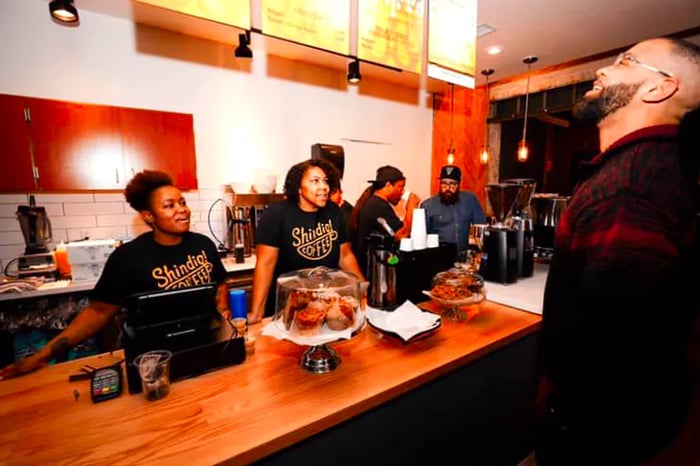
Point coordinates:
[[116, 174]]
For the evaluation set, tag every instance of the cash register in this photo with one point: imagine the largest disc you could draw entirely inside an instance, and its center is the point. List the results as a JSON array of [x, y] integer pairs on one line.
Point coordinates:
[[185, 322]]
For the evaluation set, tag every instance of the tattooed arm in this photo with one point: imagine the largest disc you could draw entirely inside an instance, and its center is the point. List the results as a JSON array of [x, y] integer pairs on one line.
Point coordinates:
[[90, 321]]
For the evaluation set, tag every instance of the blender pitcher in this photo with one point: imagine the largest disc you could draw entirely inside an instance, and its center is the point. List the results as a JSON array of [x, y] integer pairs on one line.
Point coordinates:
[[36, 227]]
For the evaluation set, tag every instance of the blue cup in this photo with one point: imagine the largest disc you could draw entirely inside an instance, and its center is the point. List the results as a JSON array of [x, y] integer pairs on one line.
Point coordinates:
[[237, 303]]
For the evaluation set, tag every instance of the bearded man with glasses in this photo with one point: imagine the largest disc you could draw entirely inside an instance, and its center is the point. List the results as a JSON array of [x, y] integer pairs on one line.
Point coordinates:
[[452, 211], [617, 386]]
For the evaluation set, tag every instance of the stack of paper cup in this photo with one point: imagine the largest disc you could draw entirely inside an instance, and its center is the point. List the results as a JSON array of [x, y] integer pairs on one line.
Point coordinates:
[[406, 245], [418, 229], [433, 240]]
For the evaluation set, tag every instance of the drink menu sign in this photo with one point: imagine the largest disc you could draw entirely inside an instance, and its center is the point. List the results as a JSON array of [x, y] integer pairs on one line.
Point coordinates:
[[390, 32], [452, 41], [319, 23], [231, 12]]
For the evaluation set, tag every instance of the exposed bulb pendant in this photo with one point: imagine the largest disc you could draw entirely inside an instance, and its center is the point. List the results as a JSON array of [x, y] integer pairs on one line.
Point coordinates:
[[523, 148], [485, 154], [451, 149]]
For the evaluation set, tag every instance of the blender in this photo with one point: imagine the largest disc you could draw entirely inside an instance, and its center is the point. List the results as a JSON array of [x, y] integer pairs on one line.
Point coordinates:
[[499, 261], [521, 220], [37, 260]]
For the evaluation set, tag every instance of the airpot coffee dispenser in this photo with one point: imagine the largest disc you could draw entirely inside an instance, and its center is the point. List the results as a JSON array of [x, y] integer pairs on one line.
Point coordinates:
[[500, 258], [382, 261]]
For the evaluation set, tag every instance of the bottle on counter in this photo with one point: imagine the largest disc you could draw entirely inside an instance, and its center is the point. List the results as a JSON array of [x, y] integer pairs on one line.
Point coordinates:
[[62, 263]]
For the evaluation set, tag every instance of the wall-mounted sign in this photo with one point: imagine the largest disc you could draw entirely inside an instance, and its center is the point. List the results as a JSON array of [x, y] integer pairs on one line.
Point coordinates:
[[231, 12], [319, 23], [452, 41], [390, 32]]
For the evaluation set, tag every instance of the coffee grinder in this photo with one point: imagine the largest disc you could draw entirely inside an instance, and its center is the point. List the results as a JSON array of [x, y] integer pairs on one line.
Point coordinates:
[[500, 256], [37, 260], [521, 221]]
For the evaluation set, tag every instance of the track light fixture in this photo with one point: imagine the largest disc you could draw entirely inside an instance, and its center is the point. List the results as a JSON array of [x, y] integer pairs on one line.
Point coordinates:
[[354, 75], [523, 148], [485, 153], [64, 12], [243, 51]]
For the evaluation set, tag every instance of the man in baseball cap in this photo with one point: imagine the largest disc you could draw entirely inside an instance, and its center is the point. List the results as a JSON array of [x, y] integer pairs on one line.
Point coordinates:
[[377, 202], [451, 212]]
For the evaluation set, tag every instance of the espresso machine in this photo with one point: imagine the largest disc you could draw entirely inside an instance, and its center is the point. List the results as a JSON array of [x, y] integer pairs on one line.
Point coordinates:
[[37, 260], [499, 261], [521, 220], [242, 217]]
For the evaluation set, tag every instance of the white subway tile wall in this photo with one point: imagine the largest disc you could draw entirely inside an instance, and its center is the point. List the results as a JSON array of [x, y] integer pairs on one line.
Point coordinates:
[[99, 215]]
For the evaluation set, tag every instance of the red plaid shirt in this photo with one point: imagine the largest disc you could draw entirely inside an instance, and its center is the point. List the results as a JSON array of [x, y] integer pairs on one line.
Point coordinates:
[[613, 345]]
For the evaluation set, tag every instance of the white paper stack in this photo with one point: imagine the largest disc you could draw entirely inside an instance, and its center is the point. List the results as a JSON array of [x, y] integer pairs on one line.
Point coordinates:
[[419, 233]]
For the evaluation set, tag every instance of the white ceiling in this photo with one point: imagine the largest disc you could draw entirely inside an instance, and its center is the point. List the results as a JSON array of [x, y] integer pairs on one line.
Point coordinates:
[[557, 31]]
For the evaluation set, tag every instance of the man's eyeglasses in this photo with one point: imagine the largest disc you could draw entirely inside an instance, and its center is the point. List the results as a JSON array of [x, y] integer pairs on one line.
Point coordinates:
[[449, 184], [627, 58]]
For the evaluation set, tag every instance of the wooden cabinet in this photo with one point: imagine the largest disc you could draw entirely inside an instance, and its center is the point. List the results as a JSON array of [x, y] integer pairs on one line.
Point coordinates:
[[15, 149], [51, 145], [165, 140], [76, 146]]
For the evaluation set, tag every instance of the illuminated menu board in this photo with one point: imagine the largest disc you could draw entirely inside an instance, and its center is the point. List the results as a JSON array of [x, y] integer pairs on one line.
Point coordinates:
[[452, 41], [319, 23], [390, 32], [231, 12]]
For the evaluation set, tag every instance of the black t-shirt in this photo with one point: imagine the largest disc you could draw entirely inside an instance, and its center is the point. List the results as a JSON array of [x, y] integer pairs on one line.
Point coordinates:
[[143, 265], [374, 208], [304, 239]]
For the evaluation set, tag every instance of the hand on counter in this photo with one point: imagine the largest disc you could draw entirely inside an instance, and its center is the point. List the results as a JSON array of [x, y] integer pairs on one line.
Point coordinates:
[[26, 365]]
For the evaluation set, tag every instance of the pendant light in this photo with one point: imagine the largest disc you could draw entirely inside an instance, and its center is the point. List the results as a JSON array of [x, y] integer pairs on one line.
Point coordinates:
[[523, 148], [451, 150], [485, 154]]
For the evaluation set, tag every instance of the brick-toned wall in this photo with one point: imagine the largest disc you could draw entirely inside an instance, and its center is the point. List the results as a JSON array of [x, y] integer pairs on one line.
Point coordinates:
[[97, 215]]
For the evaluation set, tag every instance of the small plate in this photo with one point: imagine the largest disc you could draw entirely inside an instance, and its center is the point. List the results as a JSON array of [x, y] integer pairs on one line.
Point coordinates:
[[418, 336], [379, 320]]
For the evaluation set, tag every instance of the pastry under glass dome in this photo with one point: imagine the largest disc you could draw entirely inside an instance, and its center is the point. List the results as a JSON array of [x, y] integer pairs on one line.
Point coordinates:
[[456, 288], [317, 306]]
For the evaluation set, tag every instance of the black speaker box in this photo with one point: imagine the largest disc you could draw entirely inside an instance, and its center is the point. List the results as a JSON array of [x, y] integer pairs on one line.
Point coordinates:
[[331, 153]]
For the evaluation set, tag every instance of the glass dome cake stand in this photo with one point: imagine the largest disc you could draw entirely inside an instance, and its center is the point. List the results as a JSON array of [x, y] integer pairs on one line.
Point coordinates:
[[320, 357], [317, 307], [455, 289]]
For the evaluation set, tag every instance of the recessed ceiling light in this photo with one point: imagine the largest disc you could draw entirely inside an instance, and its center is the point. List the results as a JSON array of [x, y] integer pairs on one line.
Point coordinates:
[[494, 50]]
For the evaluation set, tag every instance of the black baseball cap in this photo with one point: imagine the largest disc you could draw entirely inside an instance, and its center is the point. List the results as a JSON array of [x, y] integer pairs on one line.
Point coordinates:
[[388, 173], [451, 172]]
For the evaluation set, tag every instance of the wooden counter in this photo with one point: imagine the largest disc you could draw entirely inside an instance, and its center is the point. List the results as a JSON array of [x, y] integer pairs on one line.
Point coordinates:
[[243, 413]]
